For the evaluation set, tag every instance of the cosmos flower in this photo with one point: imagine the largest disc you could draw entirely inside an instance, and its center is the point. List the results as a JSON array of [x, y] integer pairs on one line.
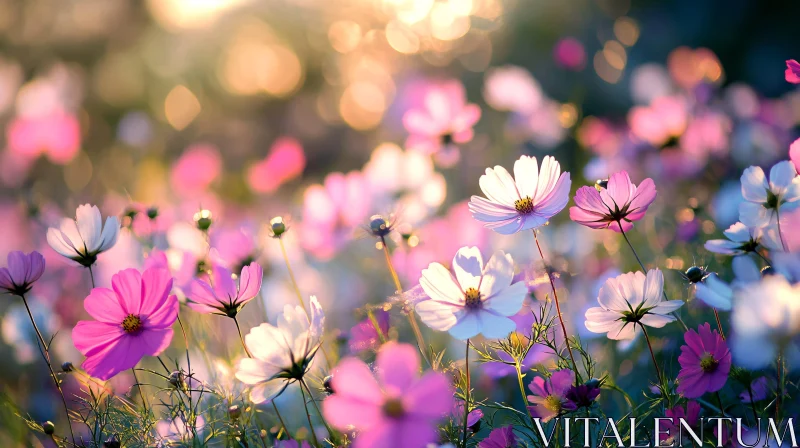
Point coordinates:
[[282, 354], [132, 320], [364, 336], [443, 121], [631, 299], [394, 408], [22, 271], [616, 206], [765, 198], [549, 395], [584, 395], [715, 293], [765, 318], [56, 134], [705, 362], [794, 154], [84, 238], [223, 296], [743, 239], [690, 414], [474, 298], [284, 162], [500, 438], [526, 201], [792, 71]]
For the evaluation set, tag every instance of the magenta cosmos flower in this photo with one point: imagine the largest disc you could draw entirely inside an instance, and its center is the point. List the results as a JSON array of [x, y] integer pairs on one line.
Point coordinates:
[[443, 121], [23, 269], [526, 201], [793, 71], [550, 395], [691, 415], [615, 206], [223, 296], [500, 438], [705, 362], [132, 320], [392, 409]]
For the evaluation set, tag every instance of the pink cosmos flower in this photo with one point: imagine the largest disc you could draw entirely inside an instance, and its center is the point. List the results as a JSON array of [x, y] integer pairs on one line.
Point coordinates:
[[500, 438], [444, 121], [393, 409], [549, 395], [284, 162], [512, 88], [332, 212], [526, 201], [691, 415], [705, 362], [364, 336], [132, 320], [614, 207], [794, 154], [665, 118], [793, 71], [223, 296], [22, 271], [57, 134], [195, 169]]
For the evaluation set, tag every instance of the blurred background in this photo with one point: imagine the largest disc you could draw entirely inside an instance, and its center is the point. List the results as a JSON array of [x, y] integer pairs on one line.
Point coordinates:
[[160, 110]]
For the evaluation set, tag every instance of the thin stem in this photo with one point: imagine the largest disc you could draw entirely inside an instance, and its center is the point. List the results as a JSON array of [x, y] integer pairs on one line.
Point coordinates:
[[291, 276], [241, 338], [644, 270], [139, 386], [652, 355], [308, 416], [781, 385], [319, 411], [189, 367], [558, 306], [399, 289], [719, 324], [752, 402], [466, 396], [91, 275], [280, 419], [521, 386], [376, 325], [45, 351], [721, 407], [780, 234]]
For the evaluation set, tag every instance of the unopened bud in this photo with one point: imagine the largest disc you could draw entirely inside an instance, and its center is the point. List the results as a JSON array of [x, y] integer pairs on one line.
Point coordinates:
[[327, 383], [152, 212], [176, 379], [202, 220], [601, 184], [234, 412], [49, 428], [278, 226], [67, 366]]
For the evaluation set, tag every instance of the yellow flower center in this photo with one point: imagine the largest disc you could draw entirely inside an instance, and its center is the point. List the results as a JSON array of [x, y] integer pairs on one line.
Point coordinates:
[[132, 324], [708, 363], [472, 298], [524, 206], [553, 403], [393, 408]]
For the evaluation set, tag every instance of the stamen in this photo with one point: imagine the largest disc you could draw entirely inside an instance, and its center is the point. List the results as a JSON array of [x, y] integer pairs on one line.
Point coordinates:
[[524, 206], [132, 324], [472, 298]]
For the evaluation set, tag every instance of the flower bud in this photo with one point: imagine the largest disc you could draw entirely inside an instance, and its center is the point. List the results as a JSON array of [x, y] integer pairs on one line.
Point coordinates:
[[277, 226], [49, 428], [112, 442], [378, 226], [695, 274], [327, 383], [234, 412], [202, 220], [768, 270], [176, 379], [152, 212], [67, 366]]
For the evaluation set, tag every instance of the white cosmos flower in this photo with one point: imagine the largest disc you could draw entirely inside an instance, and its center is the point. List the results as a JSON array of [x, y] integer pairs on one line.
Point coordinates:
[[526, 201], [85, 237], [282, 354], [743, 239], [717, 294], [631, 299], [766, 316], [764, 198], [473, 299]]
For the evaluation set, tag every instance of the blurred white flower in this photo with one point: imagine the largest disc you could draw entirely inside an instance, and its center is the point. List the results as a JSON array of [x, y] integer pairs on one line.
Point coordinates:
[[474, 298], [282, 354], [743, 239], [716, 293], [631, 299], [766, 316], [764, 198], [85, 237]]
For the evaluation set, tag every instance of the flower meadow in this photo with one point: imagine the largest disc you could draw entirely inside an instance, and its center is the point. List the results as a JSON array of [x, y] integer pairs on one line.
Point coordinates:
[[388, 236]]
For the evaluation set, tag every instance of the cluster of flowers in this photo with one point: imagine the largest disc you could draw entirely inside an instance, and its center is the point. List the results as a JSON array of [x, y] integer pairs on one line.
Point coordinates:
[[402, 400]]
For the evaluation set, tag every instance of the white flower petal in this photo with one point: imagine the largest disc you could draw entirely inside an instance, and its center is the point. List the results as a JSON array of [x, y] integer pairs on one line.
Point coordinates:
[[437, 315], [468, 267], [508, 301], [781, 176], [526, 176], [439, 284], [754, 185]]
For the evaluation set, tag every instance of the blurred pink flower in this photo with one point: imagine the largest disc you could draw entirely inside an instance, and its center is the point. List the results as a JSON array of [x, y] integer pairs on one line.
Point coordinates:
[[794, 154], [444, 121], [332, 212], [526, 201], [223, 296], [284, 162], [364, 336], [512, 88], [233, 248], [22, 271], [665, 118], [393, 409], [616, 206], [500, 438], [195, 170], [132, 320], [570, 54], [184, 265], [691, 415], [793, 71], [549, 395], [57, 135], [705, 362]]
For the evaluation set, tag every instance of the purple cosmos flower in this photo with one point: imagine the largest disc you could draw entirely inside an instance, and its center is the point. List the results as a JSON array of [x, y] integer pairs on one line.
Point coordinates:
[[222, 296], [705, 362], [761, 388], [793, 71], [691, 415], [549, 395], [584, 395], [500, 438], [526, 201], [364, 336], [614, 207], [394, 408], [23, 269]]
